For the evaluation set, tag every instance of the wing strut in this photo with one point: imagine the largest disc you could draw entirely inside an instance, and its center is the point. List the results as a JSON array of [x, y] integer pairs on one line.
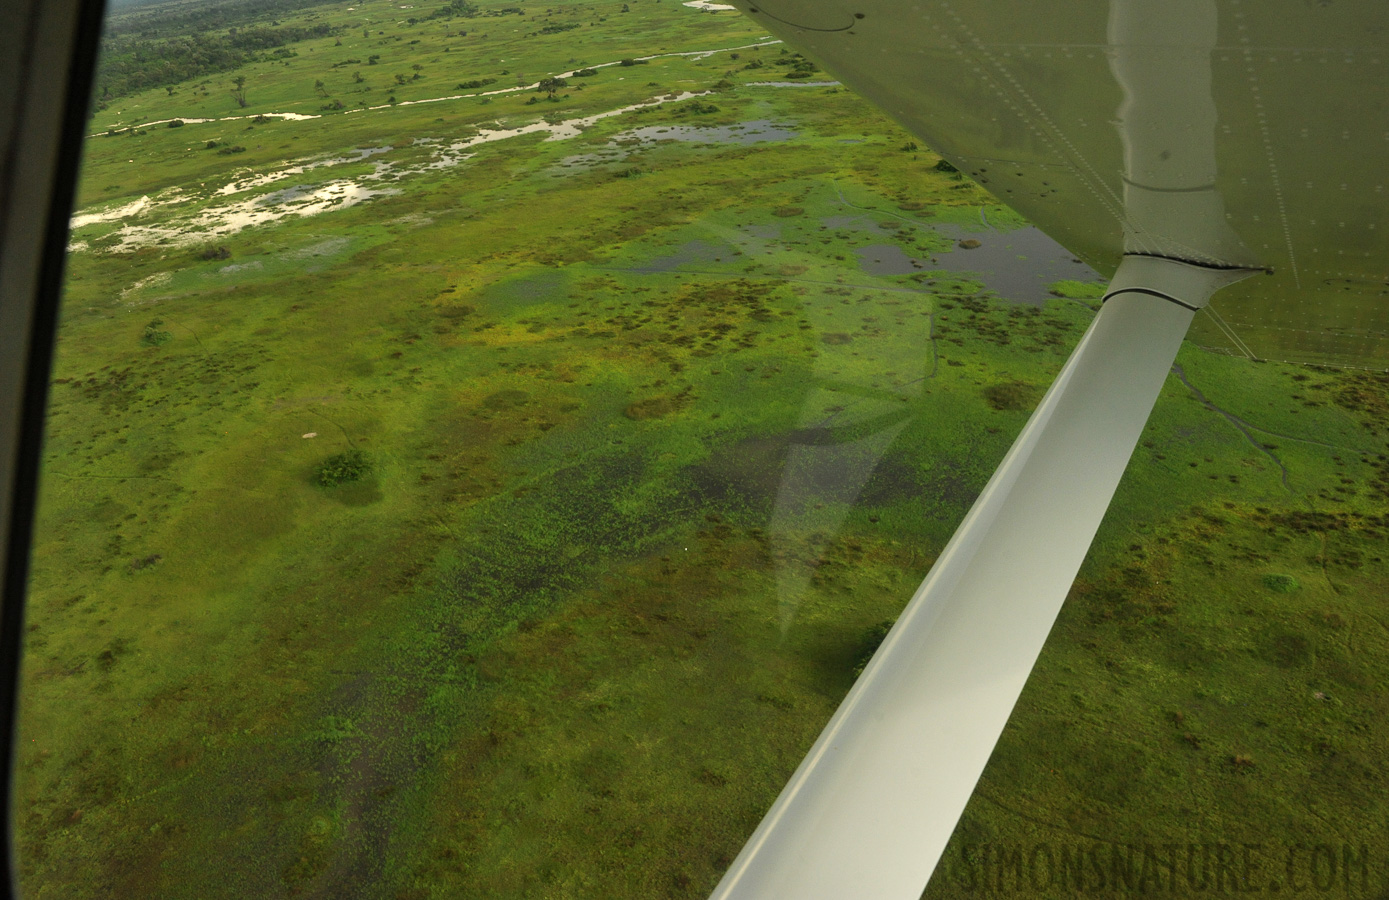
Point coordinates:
[[870, 809]]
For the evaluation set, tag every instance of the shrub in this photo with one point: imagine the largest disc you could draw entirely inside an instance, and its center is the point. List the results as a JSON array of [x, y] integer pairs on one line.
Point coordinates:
[[343, 468], [153, 337], [175, 123]]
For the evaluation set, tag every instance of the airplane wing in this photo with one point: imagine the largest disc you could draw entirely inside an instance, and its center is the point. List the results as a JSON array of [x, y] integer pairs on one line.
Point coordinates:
[[1024, 100], [1183, 146]]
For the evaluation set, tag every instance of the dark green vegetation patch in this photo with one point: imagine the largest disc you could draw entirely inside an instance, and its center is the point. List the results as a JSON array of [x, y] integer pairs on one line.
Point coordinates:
[[153, 336], [1012, 395], [342, 468]]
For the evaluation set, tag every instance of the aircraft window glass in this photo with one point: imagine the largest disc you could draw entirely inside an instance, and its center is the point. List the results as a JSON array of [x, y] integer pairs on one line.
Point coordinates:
[[486, 444]]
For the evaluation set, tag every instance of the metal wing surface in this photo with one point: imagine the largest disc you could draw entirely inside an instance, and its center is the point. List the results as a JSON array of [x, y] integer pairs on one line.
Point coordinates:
[[1024, 98]]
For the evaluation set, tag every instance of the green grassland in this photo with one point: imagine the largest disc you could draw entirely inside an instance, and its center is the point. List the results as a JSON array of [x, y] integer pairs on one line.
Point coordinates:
[[514, 531]]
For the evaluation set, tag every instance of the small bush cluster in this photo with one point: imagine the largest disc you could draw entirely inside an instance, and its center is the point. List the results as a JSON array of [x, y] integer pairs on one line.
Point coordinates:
[[342, 468], [153, 337]]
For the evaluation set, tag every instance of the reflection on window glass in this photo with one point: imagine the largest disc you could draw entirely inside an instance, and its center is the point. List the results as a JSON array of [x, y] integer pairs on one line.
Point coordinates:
[[486, 443]]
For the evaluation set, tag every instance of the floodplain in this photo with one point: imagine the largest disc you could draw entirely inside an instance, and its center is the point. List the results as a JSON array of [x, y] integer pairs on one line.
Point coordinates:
[[491, 491]]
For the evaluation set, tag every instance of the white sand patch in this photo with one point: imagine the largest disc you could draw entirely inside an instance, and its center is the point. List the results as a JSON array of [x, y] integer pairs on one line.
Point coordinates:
[[322, 248], [225, 220], [155, 280], [705, 4], [356, 155], [308, 200], [232, 269], [557, 131], [289, 117], [299, 168], [110, 215], [300, 200]]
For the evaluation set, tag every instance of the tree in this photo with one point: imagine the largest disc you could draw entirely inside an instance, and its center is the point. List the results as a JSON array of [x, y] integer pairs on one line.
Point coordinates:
[[357, 77], [550, 85], [321, 88], [239, 92]]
